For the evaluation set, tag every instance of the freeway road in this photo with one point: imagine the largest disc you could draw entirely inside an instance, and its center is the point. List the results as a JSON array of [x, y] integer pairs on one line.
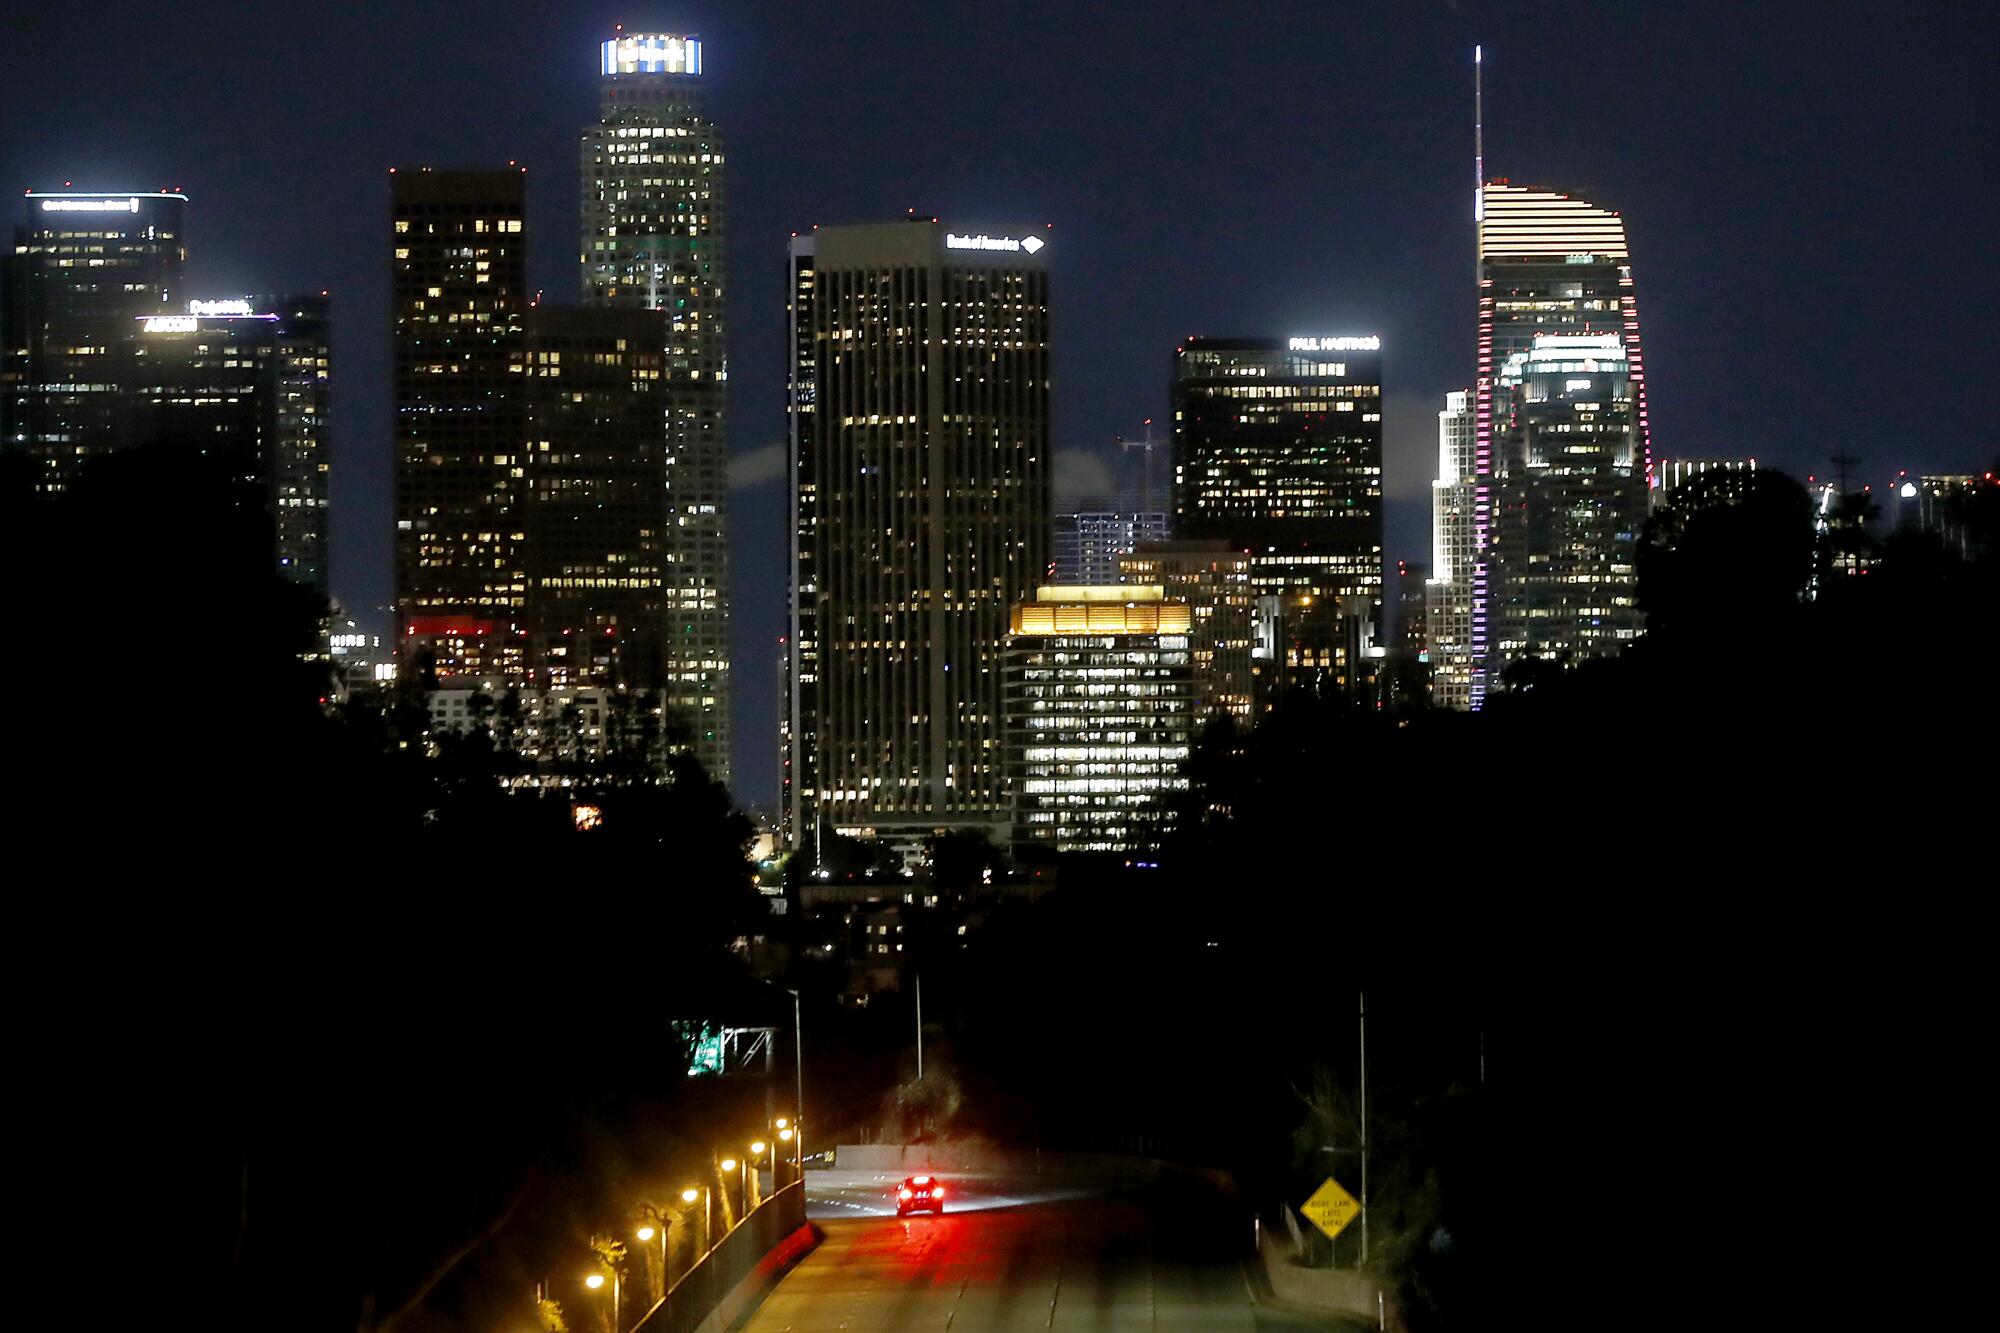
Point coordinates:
[[1018, 1254]]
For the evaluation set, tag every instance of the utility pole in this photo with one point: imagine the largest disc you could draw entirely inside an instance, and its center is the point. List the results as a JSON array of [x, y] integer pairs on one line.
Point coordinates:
[[1364, 1128], [920, 1027]]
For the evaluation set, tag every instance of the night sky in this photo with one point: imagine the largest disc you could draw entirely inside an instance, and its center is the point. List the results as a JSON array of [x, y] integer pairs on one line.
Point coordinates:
[[1805, 190]]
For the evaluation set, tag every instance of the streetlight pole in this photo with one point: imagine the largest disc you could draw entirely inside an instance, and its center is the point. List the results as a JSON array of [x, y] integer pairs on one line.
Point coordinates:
[[920, 1027], [688, 1196], [755, 1167], [645, 1234], [739, 1166], [596, 1283], [798, 1092], [1363, 1003], [798, 1079]]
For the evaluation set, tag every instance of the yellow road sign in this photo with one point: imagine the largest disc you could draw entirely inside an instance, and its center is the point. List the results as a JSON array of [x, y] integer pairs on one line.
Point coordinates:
[[1331, 1208]]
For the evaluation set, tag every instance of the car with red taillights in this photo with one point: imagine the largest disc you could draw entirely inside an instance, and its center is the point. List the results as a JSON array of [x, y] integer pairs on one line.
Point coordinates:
[[920, 1194]]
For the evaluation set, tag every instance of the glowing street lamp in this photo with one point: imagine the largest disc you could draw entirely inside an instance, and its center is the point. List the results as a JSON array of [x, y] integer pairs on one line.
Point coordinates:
[[646, 1233], [742, 1170], [595, 1282], [689, 1195]]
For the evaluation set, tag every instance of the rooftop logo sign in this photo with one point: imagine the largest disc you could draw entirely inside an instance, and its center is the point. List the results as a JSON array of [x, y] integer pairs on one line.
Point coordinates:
[[90, 205], [651, 54], [1030, 244], [219, 307], [1368, 344]]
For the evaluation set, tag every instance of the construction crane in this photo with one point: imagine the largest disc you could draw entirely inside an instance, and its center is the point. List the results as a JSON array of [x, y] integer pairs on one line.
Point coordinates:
[[1149, 445]]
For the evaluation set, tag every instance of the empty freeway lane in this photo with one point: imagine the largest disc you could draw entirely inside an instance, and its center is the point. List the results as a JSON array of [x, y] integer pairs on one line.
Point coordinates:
[[1017, 1254]]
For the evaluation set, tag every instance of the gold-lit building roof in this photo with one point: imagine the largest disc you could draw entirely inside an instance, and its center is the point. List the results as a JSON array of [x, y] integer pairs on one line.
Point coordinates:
[[1102, 608]]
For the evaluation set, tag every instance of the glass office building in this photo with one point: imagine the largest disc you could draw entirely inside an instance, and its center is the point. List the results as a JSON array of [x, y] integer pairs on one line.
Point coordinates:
[[1101, 714], [920, 415], [83, 267], [1278, 451], [1553, 267], [653, 238], [458, 311]]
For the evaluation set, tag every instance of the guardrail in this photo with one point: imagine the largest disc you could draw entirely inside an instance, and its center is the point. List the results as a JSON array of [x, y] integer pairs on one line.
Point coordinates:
[[773, 1234]]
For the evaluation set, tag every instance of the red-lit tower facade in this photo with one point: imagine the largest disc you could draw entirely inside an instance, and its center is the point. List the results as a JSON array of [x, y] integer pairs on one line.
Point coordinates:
[[1554, 526]]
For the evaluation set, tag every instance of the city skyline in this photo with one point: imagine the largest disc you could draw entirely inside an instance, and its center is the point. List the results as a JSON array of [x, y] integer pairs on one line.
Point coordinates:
[[1311, 755], [1389, 201]]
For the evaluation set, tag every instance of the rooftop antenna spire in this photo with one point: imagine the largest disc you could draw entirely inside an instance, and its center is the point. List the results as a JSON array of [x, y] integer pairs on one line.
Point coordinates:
[[1479, 145]]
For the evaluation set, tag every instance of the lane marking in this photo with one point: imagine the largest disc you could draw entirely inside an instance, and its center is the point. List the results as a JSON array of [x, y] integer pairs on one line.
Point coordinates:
[[954, 1303]]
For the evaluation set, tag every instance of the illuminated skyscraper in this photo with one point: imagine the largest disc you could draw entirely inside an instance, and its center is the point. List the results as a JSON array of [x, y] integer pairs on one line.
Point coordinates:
[[1448, 608], [1572, 500], [246, 380], [1213, 578], [597, 521], [459, 313], [1278, 450], [1555, 280], [920, 414], [83, 268], [653, 239], [798, 764], [1102, 707]]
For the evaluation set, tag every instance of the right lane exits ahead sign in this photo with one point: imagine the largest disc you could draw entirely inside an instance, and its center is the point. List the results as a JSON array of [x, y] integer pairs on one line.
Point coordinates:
[[1331, 1208]]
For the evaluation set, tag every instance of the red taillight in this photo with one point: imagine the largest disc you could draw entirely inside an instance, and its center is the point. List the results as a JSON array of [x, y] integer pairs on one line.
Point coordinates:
[[905, 1194], [937, 1191]]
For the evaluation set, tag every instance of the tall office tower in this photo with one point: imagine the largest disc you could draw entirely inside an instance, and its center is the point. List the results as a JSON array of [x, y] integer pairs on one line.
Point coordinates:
[[1278, 450], [1412, 608], [298, 377], [1093, 531], [597, 521], [83, 267], [653, 239], [1213, 579], [245, 380], [1566, 532], [926, 447], [458, 295], [1731, 477], [1552, 266], [798, 759], [1101, 710], [1448, 609]]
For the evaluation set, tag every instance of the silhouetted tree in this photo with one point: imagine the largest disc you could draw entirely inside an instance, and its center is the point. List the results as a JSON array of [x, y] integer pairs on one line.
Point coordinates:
[[1729, 555]]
